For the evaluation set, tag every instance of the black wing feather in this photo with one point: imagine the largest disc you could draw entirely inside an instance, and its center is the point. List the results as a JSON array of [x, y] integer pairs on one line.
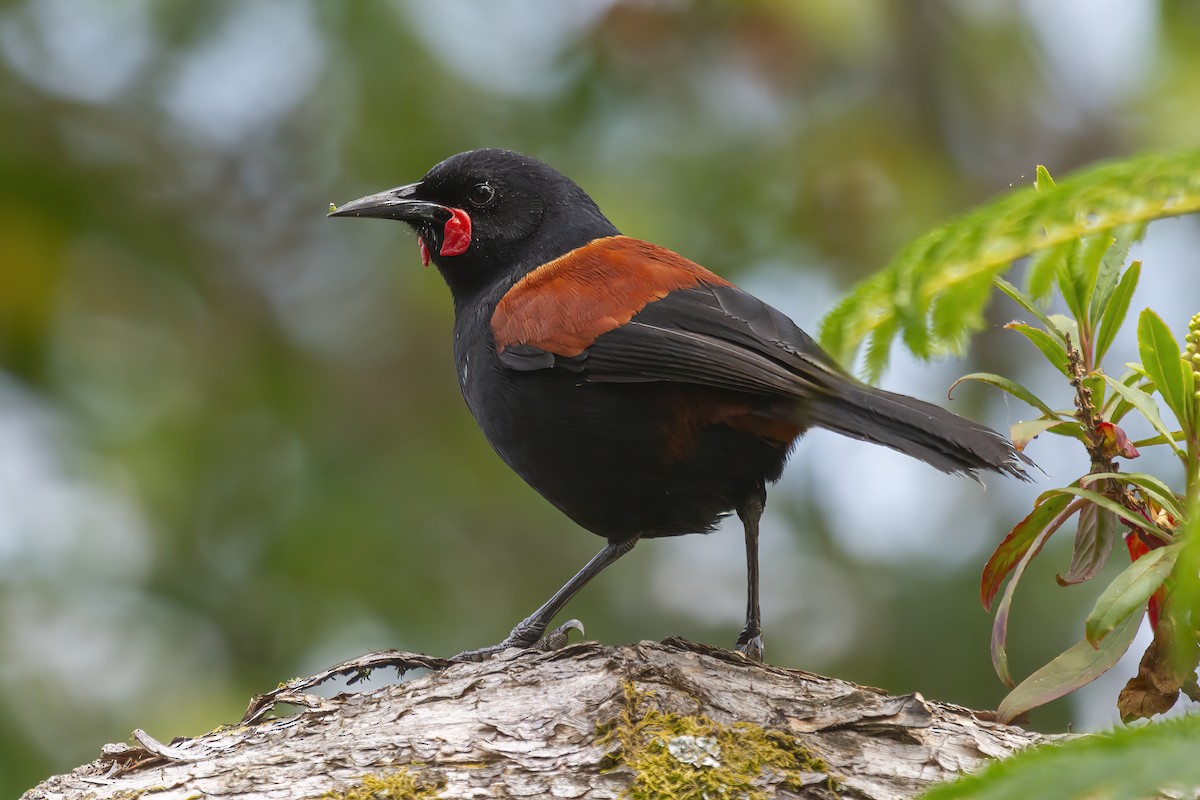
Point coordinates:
[[722, 337], [716, 336]]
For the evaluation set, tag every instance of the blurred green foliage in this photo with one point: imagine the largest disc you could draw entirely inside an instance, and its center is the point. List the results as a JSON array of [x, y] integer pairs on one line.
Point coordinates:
[[231, 444], [1128, 764]]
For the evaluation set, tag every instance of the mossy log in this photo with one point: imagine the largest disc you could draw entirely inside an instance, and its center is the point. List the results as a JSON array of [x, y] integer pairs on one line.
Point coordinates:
[[671, 719]]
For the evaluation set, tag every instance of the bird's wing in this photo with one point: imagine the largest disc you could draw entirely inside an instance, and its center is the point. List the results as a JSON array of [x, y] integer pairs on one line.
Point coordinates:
[[621, 310], [717, 336]]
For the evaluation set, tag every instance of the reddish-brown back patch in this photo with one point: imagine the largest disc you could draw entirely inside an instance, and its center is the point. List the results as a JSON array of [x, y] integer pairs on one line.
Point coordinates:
[[563, 305]]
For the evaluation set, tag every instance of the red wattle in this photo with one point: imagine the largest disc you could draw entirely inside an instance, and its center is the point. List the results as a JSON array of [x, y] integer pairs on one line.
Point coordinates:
[[456, 235], [424, 251]]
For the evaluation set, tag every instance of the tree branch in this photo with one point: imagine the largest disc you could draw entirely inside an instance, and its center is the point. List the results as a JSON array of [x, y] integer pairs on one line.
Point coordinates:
[[585, 721]]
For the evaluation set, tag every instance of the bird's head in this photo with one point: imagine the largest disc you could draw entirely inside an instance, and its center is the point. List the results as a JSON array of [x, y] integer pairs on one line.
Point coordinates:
[[487, 217]]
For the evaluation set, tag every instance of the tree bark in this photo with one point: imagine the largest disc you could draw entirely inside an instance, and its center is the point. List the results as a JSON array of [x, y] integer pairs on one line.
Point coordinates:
[[670, 719]]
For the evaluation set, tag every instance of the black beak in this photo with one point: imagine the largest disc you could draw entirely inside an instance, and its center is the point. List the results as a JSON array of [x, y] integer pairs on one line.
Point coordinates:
[[397, 203]]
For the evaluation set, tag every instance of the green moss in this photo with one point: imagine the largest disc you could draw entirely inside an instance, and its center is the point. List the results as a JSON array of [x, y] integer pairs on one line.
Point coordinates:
[[674, 756], [403, 784]]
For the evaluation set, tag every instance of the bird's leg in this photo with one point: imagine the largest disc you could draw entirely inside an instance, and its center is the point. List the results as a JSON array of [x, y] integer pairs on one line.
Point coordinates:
[[750, 512], [530, 630]]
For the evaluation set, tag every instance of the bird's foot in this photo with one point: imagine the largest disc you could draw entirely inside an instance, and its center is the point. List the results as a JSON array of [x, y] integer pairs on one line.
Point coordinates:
[[526, 638], [751, 646]]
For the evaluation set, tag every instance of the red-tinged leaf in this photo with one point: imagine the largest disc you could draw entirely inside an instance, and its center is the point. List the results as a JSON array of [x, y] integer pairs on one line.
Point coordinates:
[[999, 648], [1136, 545], [1078, 666], [1124, 446], [1154, 607], [1129, 591], [1017, 543], [1022, 433], [1116, 443], [1139, 546], [1094, 538], [1000, 623]]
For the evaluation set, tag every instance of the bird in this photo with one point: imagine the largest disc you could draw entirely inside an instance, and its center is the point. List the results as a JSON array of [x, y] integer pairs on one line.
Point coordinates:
[[638, 392]]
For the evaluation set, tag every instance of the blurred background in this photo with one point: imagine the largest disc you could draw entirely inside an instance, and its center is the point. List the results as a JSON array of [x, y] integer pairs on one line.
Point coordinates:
[[232, 448]]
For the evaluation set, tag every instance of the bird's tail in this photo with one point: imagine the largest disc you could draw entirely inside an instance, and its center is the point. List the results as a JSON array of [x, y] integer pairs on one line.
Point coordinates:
[[922, 430]]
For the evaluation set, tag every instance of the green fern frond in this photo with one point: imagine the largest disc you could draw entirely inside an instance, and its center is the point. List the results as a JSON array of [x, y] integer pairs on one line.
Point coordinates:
[[934, 291]]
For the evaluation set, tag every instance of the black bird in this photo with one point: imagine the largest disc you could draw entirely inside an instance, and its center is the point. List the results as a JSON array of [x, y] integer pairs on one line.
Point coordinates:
[[638, 392]]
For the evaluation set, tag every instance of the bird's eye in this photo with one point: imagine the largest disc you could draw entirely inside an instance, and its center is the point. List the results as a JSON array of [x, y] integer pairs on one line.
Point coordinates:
[[481, 194]]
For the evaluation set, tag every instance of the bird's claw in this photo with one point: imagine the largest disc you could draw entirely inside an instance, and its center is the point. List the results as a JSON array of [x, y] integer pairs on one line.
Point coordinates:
[[522, 640], [560, 636], [751, 646]]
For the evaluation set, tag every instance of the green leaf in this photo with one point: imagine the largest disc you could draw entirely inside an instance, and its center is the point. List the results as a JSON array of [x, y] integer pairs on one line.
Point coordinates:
[[1184, 609], [1150, 441], [1114, 413], [1078, 666], [931, 270], [1122, 239], [1021, 299], [1151, 485], [1108, 272], [1051, 347], [1130, 763], [1129, 591], [1064, 326], [1094, 383], [1163, 363], [1042, 179], [1136, 520], [1091, 274], [1012, 387], [1073, 280], [1146, 406], [1115, 309], [1072, 429], [1140, 370], [1191, 410]]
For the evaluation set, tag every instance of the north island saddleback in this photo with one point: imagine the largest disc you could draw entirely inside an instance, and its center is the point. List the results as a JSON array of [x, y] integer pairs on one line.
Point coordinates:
[[641, 394]]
